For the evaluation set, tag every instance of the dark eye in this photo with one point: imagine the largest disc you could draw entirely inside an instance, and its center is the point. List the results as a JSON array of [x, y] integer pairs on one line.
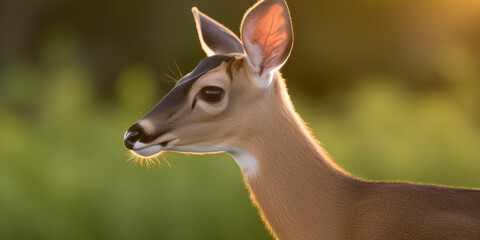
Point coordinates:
[[211, 94]]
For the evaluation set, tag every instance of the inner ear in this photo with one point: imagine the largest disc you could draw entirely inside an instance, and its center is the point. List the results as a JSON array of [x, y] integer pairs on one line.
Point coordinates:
[[268, 38]]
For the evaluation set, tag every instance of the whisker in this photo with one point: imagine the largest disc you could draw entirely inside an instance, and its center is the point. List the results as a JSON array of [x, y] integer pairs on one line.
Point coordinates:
[[178, 68], [131, 157], [148, 162], [169, 78], [173, 73], [165, 159]]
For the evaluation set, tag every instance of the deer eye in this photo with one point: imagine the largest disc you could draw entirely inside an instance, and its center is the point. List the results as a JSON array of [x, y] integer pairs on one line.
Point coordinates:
[[212, 94]]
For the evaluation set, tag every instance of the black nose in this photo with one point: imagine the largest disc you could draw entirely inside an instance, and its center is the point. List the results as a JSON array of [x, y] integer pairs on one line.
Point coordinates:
[[131, 138]]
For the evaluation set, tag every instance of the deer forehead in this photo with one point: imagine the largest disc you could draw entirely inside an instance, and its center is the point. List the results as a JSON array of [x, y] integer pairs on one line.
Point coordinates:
[[216, 77]]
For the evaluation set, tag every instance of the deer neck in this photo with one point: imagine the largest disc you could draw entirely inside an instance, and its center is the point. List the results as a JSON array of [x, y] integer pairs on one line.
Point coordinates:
[[297, 188]]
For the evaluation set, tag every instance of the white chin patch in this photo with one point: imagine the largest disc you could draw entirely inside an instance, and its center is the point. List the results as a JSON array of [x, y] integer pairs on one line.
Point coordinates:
[[148, 151]]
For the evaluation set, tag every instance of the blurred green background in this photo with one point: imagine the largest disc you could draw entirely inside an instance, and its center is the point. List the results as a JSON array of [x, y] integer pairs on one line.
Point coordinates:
[[391, 88]]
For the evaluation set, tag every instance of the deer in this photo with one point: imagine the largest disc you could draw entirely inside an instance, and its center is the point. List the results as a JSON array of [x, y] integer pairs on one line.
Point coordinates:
[[236, 101]]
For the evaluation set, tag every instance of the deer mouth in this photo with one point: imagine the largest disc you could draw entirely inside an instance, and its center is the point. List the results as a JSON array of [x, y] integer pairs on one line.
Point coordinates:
[[146, 150]]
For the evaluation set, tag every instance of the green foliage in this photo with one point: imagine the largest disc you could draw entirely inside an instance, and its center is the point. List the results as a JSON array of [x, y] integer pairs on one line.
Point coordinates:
[[383, 132]]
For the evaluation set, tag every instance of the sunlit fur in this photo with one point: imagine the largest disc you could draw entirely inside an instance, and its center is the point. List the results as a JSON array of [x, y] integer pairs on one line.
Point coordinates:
[[148, 162], [302, 194]]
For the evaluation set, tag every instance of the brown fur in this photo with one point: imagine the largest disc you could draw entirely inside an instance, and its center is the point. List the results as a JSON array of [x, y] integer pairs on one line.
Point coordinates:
[[303, 195]]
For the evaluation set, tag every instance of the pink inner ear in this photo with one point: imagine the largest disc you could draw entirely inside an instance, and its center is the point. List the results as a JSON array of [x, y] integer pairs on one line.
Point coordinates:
[[270, 34]]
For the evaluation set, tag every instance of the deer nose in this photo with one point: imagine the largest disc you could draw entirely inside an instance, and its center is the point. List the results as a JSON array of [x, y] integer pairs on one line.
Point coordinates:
[[131, 138]]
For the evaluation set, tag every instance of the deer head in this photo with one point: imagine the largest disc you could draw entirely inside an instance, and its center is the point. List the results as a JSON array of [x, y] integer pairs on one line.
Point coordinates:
[[222, 102]]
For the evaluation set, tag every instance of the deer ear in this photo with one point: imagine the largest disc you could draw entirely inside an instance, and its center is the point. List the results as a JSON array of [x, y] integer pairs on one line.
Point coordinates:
[[268, 38], [214, 37]]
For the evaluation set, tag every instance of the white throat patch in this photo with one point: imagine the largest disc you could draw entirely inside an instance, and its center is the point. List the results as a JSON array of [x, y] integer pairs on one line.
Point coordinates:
[[247, 163]]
